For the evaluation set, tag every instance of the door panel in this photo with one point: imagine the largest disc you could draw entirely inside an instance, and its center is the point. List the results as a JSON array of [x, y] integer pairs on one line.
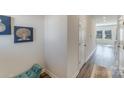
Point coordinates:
[[121, 52], [117, 45], [120, 46], [82, 40]]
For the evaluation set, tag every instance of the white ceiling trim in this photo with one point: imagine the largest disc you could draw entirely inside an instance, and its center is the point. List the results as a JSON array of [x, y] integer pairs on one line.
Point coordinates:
[[110, 24]]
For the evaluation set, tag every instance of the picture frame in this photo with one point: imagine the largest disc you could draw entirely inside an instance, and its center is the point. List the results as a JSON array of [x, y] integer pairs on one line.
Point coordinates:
[[99, 34], [23, 34], [108, 34], [5, 25]]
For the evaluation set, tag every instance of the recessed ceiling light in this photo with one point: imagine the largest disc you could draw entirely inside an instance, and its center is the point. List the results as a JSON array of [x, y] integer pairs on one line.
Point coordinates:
[[104, 17], [104, 20]]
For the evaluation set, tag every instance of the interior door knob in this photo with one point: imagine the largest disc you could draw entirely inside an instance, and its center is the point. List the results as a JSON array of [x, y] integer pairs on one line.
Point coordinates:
[[85, 45], [118, 46]]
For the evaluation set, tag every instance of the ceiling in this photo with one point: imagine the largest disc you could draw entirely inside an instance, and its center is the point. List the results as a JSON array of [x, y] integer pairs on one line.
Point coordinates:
[[105, 20]]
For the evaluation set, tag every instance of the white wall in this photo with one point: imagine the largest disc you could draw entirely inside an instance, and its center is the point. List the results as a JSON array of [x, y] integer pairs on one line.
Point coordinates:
[[73, 42], [121, 49], [73, 45], [90, 36], [16, 58], [107, 41], [61, 44], [56, 45]]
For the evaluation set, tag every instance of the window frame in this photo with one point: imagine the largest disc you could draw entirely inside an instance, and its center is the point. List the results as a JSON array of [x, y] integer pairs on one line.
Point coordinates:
[[98, 36], [108, 35]]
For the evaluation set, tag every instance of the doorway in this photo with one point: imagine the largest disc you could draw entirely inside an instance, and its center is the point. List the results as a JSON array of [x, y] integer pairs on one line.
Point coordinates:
[[82, 40], [106, 38], [105, 56], [106, 28], [120, 45]]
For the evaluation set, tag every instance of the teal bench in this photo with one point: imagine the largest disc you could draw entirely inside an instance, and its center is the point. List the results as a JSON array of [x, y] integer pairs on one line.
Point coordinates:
[[33, 72]]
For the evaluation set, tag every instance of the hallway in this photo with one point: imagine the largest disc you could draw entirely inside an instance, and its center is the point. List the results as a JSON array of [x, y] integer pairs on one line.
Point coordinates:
[[103, 59], [104, 56]]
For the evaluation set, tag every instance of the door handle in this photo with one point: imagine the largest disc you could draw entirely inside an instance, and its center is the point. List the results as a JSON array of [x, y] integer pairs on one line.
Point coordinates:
[[85, 45], [118, 46]]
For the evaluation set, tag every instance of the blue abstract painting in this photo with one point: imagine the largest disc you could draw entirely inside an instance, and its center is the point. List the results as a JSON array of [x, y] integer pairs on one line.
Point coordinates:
[[23, 34], [5, 25]]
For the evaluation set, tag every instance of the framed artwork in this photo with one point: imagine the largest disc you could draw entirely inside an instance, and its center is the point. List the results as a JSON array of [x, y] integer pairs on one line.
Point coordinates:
[[99, 34], [23, 34], [5, 25], [108, 34]]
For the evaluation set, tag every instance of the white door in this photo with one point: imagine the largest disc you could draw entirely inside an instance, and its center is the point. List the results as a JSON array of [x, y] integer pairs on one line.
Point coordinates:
[[82, 40], [121, 46], [117, 45]]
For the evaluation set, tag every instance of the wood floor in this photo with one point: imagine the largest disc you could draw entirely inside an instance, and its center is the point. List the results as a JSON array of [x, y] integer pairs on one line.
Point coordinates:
[[100, 65], [86, 70], [44, 75], [101, 72], [104, 59]]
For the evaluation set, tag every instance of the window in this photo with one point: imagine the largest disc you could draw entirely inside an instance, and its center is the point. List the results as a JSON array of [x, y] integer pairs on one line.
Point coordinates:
[[108, 34], [99, 34]]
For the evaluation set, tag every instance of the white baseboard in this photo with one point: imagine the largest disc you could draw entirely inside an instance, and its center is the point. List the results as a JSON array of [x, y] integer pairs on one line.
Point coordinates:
[[121, 70], [50, 74], [77, 72], [90, 55]]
